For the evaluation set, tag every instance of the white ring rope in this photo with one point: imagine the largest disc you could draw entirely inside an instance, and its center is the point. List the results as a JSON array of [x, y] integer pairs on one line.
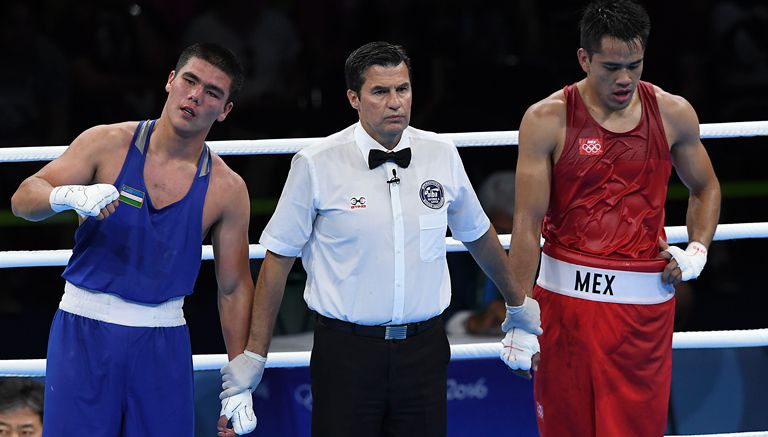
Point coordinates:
[[675, 234], [459, 352], [293, 145]]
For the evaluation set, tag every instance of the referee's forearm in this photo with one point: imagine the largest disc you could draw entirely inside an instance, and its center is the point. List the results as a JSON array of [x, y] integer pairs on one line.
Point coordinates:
[[268, 294], [492, 259]]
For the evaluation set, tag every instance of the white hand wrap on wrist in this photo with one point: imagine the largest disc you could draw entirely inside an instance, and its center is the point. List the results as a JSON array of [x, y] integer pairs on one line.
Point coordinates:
[[526, 316], [86, 200], [243, 373], [239, 409], [691, 260], [518, 348]]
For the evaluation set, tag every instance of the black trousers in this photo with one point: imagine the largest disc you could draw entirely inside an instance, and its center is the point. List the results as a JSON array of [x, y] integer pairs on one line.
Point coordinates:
[[371, 387]]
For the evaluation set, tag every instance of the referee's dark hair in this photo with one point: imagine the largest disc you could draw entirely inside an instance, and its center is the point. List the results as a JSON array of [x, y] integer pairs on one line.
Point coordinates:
[[374, 53]]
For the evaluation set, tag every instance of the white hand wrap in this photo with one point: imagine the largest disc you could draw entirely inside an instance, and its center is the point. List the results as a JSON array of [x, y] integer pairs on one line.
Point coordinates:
[[526, 316], [86, 200], [239, 409], [243, 373], [691, 260], [518, 347]]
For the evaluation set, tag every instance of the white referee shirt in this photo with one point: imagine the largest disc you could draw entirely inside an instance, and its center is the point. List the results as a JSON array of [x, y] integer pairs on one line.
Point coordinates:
[[374, 252]]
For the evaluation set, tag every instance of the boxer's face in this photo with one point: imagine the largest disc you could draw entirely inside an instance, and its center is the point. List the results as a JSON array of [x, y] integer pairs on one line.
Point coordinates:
[[197, 95], [384, 103], [613, 71]]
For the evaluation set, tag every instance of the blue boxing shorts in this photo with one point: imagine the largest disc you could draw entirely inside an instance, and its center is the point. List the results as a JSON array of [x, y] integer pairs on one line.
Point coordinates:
[[117, 379]]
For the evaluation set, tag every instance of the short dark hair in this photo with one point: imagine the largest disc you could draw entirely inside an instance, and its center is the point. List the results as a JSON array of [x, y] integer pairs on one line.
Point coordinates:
[[374, 53], [624, 20], [221, 58], [16, 393]]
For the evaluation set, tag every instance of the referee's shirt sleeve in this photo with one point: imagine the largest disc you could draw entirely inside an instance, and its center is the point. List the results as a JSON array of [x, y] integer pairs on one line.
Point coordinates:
[[290, 227], [466, 217]]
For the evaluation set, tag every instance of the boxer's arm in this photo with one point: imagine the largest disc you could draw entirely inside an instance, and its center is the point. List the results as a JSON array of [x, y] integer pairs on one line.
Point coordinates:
[[76, 166], [244, 372], [695, 170], [540, 130], [229, 238], [539, 133]]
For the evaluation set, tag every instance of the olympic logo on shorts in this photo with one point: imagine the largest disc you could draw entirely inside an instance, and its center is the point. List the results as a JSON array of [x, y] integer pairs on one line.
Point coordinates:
[[590, 146], [357, 202]]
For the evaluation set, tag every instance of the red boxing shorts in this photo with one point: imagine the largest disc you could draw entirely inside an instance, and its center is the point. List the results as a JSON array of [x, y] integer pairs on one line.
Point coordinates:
[[606, 351]]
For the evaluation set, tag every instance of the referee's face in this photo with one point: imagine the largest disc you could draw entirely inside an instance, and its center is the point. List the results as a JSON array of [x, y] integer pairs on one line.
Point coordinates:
[[384, 103]]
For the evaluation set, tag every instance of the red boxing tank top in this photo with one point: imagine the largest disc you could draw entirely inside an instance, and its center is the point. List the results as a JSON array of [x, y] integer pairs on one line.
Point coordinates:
[[608, 189]]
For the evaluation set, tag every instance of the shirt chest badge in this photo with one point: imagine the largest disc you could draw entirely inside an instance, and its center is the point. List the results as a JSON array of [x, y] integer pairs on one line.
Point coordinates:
[[432, 194], [131, 196], [591, 146], [357, 202]]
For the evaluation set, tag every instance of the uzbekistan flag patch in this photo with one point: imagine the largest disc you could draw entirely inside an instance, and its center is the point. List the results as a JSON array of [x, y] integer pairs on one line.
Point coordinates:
[[131, 196]]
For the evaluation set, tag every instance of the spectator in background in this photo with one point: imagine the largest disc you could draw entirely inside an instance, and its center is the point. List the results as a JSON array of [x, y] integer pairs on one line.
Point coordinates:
[[21, 407]]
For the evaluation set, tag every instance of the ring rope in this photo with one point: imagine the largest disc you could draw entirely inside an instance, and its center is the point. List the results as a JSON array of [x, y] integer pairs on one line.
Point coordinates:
[[680, 340], [675, 234], [293, 145]]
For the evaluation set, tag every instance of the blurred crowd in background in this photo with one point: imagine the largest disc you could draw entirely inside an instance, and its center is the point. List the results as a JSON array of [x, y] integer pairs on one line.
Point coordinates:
[[477, 66]]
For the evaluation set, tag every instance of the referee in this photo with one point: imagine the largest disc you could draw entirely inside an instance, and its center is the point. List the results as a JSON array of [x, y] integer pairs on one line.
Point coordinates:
[[367, 209]]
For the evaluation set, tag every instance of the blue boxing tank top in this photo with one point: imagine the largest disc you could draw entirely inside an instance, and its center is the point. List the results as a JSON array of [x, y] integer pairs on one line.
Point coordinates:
[[141, 253]]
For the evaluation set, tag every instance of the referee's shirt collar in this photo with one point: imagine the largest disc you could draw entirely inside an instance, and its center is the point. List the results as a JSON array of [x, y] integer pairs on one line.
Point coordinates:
[[366, 142]]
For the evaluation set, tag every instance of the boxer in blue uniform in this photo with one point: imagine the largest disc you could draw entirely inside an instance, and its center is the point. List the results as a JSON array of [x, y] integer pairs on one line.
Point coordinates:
[[119, 356]]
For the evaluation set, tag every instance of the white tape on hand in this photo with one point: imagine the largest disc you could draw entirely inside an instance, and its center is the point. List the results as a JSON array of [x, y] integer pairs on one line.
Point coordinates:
[[86, 200], [691, 261], [518, 348], [239, 410]]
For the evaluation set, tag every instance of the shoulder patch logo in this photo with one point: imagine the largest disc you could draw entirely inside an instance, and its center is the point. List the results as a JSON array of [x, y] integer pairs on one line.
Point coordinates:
[[432, 194], [591, 146]]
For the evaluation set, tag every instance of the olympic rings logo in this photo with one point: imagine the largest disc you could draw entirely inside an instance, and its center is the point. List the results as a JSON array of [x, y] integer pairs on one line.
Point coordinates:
[[590, 146]]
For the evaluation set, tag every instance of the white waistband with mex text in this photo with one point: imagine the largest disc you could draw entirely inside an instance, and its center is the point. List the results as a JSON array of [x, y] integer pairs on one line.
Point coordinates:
[[603, 285], [111, 308]]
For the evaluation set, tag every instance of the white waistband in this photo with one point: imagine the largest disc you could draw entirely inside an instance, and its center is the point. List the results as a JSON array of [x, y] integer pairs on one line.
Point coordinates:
[[112, 308], [603, 285]]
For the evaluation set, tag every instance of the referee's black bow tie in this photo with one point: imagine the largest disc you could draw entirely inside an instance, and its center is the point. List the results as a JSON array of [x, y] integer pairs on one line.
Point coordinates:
[[378, 157]]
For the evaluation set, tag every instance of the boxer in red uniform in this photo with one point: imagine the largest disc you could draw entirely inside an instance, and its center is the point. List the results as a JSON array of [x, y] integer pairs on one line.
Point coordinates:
[[592, 174]]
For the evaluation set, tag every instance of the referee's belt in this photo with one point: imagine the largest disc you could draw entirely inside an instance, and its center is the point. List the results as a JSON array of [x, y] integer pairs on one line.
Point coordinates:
[[390, 332]]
